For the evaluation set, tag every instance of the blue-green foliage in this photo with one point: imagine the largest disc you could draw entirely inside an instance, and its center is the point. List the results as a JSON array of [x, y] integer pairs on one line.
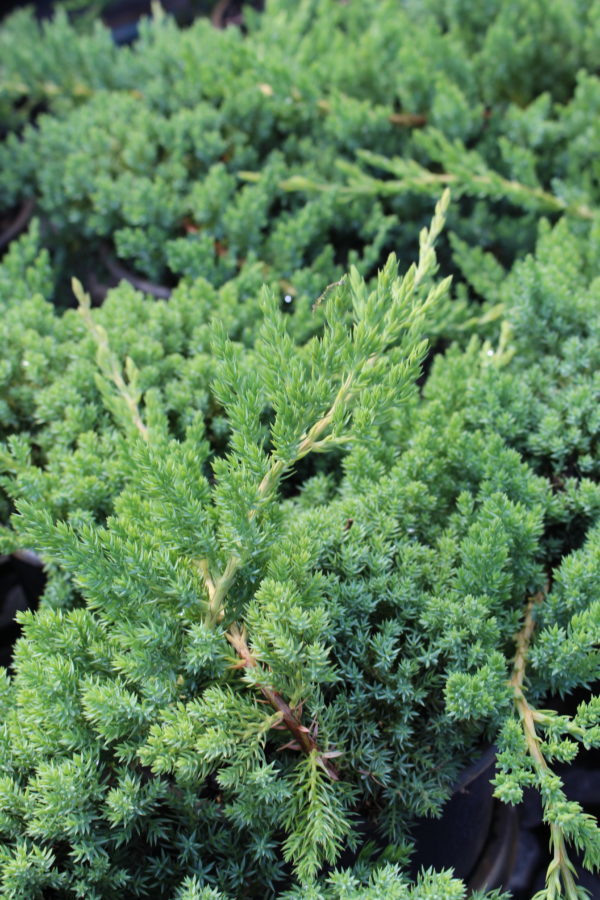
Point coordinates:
[[182, 152], [284, 584]]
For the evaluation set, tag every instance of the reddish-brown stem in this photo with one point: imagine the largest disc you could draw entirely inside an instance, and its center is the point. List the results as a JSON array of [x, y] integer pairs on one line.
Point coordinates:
[[301, 734]]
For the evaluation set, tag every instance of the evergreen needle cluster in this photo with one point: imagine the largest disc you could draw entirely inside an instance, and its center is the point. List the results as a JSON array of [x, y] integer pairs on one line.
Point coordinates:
[[308, 544]]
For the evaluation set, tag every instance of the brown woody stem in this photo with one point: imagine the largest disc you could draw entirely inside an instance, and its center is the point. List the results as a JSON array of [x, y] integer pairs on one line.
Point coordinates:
[[141, 284], [218, 588], [302, 735]]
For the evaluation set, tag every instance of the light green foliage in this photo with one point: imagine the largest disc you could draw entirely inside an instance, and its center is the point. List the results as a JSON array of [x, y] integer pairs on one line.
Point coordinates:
[[284, 582], [387, 881]]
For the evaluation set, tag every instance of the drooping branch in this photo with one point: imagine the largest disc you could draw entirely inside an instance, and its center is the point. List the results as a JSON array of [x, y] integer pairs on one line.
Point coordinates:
[[561, 869]]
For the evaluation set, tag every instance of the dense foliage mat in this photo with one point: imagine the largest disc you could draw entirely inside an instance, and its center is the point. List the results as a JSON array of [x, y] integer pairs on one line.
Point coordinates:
[[317, 523]]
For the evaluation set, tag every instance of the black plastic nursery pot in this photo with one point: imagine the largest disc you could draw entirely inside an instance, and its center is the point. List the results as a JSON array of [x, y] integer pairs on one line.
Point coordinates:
[[475, 835], [22, 582], [122, 16]]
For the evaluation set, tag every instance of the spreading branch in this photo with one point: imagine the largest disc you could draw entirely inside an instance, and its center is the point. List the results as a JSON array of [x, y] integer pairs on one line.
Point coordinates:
[[217, 588], [313, 439], [18, 224], [492, 184]]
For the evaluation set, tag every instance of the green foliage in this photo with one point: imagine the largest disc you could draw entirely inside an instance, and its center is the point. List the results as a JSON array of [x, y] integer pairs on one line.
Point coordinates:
[[129, 694], [287, 592], [398, 590], [192, 154]]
